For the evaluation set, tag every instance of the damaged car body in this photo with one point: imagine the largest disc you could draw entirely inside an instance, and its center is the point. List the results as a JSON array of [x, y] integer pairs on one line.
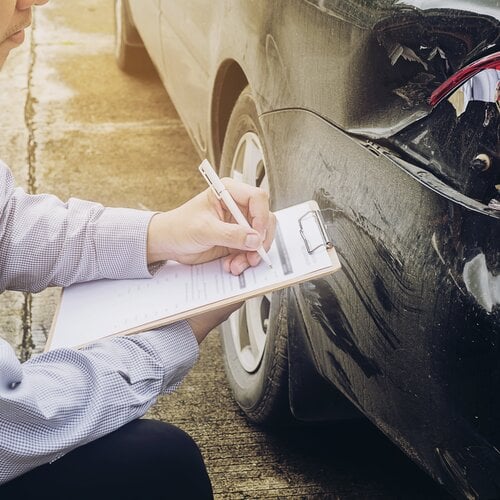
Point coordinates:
[[386, 113]]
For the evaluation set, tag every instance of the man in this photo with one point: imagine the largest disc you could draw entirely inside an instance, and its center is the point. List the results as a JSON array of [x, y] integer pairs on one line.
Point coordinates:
[[69, 419]]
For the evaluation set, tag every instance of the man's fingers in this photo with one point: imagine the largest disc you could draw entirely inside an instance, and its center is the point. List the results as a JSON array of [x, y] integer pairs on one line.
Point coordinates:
[[270, 231], [236, 263], [253, 200], [234, 236], [242, 242]]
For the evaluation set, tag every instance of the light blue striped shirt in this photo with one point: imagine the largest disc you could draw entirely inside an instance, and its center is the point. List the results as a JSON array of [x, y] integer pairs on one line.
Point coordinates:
[[64, 398]]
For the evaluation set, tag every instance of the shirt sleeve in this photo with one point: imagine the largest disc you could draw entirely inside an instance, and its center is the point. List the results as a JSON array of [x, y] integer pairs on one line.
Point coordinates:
[[65, 398], [46, 242]]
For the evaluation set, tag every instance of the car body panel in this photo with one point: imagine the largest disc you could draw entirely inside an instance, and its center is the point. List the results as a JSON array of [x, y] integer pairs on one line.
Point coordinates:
[[187, 41], [398, 331]]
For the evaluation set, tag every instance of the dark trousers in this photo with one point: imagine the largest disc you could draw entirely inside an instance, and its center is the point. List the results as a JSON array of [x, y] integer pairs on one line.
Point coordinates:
[[144, 459]]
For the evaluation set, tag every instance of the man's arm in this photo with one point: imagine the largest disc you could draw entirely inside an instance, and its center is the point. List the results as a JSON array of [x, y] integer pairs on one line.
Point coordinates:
[[45, 242], [65, 398]]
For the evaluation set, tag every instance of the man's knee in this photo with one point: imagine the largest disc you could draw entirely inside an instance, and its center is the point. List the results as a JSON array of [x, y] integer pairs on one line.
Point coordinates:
[[173, 454], [134, 462], [168, 444]]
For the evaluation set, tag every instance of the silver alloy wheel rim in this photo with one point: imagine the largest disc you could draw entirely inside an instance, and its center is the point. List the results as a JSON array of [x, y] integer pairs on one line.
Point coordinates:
[[249, 324]]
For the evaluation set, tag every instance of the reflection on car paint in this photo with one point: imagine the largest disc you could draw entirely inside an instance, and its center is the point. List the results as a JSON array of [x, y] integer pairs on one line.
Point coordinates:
[[481, 283], [456, 470], [466, 466], [481, 87], [451, 273]]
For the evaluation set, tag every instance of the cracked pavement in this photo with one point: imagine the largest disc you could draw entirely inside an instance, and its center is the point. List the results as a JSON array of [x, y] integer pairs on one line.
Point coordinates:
[[74, 125]]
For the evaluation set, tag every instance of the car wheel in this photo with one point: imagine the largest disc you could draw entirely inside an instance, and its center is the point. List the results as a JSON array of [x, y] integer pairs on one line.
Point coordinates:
[[130, 54], [255, 336]]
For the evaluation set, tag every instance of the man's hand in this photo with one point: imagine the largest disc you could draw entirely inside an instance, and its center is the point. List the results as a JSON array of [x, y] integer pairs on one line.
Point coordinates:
[[202, 229], [204, 323]]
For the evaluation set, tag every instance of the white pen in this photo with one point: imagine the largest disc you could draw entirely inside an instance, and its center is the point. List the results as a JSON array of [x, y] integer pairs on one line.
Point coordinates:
[[222, 193]]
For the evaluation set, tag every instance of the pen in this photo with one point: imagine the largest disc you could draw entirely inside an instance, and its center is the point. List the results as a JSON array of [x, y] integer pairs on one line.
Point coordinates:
[[222, 193]]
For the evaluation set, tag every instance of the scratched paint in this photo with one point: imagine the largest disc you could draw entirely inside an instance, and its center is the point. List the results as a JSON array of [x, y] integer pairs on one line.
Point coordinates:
[[397, 330]]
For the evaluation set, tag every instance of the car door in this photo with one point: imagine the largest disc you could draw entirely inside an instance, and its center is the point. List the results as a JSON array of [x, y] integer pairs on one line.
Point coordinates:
[[188, 36]]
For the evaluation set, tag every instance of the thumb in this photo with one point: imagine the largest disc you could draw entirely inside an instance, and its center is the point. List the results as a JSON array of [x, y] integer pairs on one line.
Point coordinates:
[[235, 236]]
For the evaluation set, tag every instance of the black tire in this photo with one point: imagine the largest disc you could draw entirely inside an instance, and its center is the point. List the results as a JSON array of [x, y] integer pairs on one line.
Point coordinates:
[[262, 394], [130, 53]]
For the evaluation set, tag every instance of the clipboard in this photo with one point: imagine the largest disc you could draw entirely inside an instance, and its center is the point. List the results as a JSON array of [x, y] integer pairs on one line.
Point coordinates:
[[87, 312]]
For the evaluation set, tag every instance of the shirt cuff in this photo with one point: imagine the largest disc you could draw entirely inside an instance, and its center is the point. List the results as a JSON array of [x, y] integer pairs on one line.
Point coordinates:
[[177, 349], [121, 243]]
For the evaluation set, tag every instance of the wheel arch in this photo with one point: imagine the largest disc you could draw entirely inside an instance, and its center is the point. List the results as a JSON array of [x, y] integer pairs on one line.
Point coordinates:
[[228, 85]]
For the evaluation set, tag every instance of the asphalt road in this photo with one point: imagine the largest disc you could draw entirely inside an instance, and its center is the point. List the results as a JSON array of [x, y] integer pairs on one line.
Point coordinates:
[[74, 125]]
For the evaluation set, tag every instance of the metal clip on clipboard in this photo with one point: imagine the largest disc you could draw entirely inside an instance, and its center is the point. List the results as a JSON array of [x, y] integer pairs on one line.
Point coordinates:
[[320, 223]]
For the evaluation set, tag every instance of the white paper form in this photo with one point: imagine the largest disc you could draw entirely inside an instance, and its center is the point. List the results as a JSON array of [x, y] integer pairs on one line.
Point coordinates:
[[92, 310]]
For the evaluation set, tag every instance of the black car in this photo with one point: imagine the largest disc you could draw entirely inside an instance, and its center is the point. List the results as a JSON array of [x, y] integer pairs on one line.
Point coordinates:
[[386, 113]]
